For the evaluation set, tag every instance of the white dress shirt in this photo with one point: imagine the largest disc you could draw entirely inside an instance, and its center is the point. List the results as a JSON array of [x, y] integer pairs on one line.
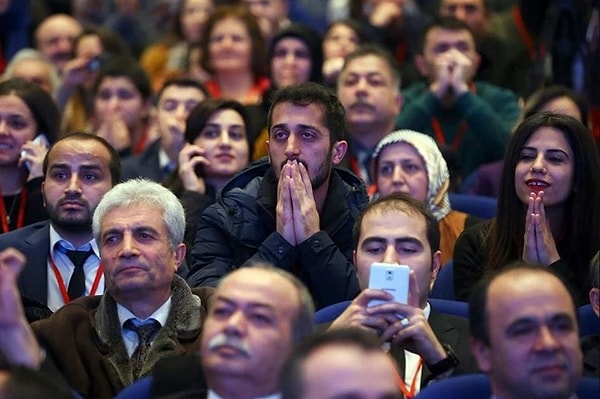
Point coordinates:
[[130, 338], [65, 269]]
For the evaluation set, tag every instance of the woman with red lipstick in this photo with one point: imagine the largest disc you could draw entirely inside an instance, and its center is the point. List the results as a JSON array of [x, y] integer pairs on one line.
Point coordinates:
[[26, 112], [217, 148], [548, 207]]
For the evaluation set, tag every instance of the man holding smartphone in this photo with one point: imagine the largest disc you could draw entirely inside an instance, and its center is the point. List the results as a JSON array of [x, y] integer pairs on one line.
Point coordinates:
[[397, 229]]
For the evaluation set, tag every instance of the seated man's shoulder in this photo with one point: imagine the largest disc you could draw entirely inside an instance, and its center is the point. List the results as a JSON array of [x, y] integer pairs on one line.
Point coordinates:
[[68, 317], [489, 91], [205, 293], [175, 377], [355, 187], [15, 237]]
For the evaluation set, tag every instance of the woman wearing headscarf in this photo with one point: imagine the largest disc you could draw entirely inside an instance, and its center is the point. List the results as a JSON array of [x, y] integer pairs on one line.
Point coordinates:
[[411, 162]]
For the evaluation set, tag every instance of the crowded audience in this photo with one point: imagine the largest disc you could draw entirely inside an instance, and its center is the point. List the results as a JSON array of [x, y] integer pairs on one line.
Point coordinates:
[[189, 186]]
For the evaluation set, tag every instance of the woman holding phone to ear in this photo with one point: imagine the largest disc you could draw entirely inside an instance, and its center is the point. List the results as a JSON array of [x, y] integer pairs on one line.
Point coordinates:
[[26, 112], [216, 149]]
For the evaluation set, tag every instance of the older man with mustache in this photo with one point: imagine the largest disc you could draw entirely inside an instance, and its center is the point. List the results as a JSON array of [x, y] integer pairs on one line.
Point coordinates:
[[369, 90], [255, 317], [101, 344], [55, 37]]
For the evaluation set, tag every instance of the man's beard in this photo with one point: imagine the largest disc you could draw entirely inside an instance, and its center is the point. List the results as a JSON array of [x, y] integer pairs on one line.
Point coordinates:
[[78, 223]]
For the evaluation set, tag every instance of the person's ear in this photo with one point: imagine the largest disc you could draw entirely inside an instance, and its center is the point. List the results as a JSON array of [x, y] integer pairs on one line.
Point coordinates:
[[43, 196], [436, 266], [268, 147], [481, 352], [180, 251], [595, 300], [338, 151], [421, 65]]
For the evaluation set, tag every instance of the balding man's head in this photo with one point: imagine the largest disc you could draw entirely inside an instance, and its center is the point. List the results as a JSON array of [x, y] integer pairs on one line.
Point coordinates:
[[55, 36]]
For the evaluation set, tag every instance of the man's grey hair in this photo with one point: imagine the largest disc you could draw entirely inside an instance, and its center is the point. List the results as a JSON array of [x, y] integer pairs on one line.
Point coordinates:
[[138, 192], [35, 55]]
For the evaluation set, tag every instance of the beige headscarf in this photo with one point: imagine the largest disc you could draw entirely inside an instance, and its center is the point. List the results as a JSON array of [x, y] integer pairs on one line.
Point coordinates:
[[437, 170]]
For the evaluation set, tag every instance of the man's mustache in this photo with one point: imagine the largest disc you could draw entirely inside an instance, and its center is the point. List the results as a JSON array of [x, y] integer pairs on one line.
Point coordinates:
[[222, 339]]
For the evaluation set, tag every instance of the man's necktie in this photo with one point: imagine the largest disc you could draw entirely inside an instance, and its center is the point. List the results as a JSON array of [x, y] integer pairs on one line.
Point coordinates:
[[77, 282], [145, 332]]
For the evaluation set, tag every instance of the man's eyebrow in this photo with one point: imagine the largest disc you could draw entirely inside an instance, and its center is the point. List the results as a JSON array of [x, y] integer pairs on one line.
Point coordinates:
[[232, 302], [397, 240], [59, 166], [111, 231], [299, 126], [90, 167], [525, 320]]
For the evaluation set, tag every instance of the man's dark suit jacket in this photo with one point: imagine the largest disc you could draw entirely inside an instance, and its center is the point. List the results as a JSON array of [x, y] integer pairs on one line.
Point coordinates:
[[590, 346], [144, 165], [34, 242], [450, 330]]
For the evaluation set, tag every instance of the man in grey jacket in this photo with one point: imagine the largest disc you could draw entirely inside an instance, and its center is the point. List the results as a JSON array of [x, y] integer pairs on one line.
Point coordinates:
[[101, 344]]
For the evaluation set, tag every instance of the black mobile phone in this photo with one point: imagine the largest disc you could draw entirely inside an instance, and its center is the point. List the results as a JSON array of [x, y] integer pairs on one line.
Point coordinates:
[[199, 169]]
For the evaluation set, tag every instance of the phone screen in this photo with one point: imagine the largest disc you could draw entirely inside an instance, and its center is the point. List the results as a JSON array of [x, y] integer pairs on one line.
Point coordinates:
[[392, 278]]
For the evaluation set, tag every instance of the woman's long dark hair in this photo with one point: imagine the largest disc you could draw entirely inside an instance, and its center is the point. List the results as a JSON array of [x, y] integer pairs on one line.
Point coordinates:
[[40, 104]]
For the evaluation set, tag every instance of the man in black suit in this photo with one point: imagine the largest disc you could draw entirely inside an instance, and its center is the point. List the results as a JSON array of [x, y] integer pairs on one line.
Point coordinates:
[[176, 98], [103, 343], [78, 170], [427, 345], [591, 344]]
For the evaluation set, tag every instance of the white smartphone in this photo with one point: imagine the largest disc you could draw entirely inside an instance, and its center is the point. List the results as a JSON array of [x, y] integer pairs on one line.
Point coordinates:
[[39, 139], [392, 278]]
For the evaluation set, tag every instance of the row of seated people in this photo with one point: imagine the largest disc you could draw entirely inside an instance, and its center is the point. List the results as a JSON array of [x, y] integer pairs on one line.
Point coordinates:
[[295, 56], [235, 230], [514, 40], [375, 106], [294, 239], [475, 129], [522, 320]]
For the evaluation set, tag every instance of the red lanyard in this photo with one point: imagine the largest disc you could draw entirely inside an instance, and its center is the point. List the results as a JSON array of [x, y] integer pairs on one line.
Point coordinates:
[[141, 144], [354, 167], [20, 214], [439, 133], [524, 33], [413, 385], [253, 96], [61, 283]]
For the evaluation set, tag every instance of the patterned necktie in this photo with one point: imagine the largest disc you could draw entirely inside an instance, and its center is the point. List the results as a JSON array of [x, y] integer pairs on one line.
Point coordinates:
[[145, 332], [77, 282]]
